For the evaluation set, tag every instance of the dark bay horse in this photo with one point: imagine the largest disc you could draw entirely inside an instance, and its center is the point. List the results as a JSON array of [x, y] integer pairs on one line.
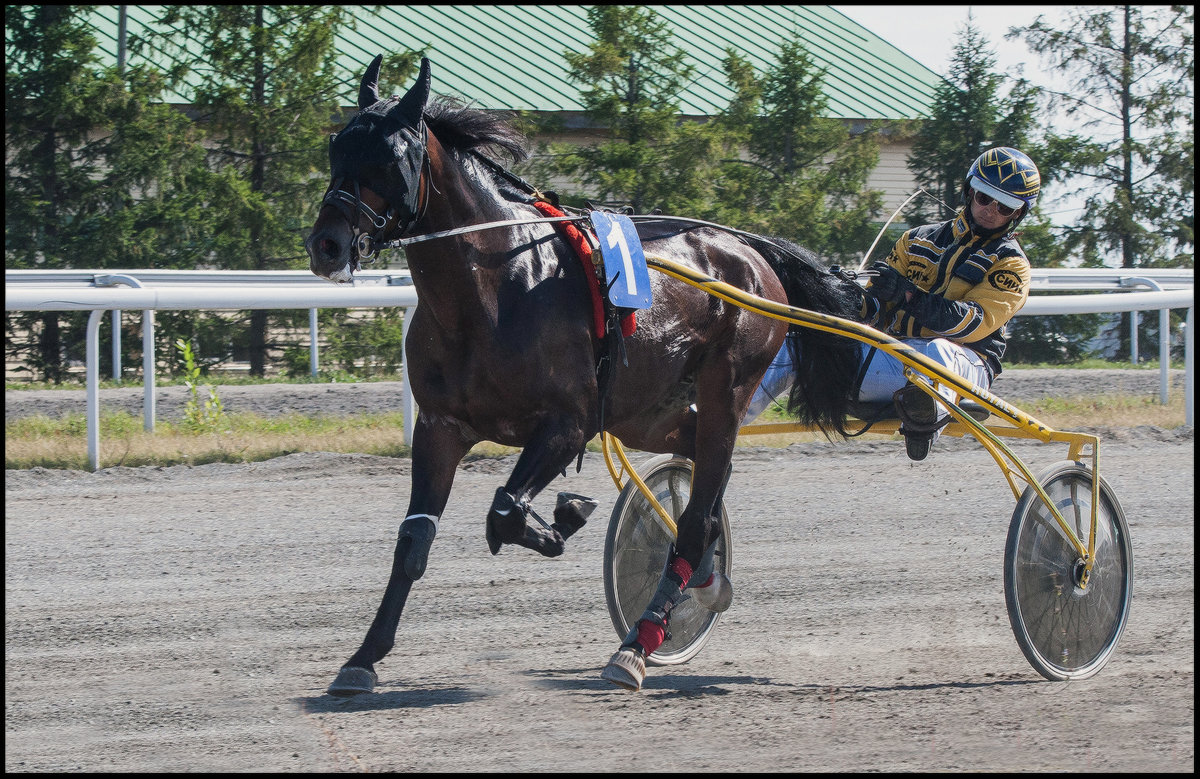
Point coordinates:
[[503, 346]]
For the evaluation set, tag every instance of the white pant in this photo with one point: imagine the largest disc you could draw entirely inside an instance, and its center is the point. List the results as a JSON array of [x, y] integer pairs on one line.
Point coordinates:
[[883, 377]]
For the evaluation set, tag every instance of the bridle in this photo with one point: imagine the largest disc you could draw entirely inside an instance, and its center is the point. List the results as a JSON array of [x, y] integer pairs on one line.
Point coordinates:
[[353, 208], [350, 204]]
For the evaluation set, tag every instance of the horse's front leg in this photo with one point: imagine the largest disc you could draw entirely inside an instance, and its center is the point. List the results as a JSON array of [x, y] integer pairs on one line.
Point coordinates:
[[438, 447], [511, 520]]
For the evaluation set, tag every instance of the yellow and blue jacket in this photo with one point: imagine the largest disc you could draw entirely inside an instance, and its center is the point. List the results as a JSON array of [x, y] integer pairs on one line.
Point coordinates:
[[978, 283]]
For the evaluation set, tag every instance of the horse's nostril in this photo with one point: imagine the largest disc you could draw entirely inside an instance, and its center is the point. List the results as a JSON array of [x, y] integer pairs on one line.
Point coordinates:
[[328, 246]]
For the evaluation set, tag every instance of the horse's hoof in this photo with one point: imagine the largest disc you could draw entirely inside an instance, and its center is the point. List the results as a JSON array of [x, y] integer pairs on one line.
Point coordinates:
[[626, 668], [353, 681], [716, 595], [505, 521], [493, 540], [546, 543], [571, 513], [540, 537]]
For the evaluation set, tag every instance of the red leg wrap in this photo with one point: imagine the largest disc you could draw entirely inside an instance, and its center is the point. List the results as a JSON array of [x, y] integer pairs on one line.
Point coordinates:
[[650, 636], [682, 569]]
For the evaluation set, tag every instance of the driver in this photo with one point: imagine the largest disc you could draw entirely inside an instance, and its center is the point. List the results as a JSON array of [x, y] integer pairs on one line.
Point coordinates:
[[946, 290]]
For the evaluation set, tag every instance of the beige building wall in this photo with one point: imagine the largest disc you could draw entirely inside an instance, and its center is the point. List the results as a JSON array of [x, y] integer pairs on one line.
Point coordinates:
[[892, 176]]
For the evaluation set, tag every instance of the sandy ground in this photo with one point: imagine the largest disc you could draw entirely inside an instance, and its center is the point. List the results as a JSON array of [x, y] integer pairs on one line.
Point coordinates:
[[189, 619]]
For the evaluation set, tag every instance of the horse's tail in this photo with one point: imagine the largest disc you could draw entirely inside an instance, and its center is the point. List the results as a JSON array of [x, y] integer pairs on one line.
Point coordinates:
[[826, 364]]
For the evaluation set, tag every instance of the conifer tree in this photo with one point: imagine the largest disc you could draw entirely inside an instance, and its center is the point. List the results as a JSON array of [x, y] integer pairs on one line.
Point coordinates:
[[100, 173], [972, 111], [1131, 82], [630, 79], [266, 94], [790, 170]]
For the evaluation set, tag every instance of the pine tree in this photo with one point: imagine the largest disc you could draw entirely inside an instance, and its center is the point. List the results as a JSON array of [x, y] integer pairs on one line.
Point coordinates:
[[1131, 72], [98, 173], [630, 79], [971, 113], [802, 175], [266, 95]]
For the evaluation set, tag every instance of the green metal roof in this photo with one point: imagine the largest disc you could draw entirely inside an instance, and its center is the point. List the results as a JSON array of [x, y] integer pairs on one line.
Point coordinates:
[[511, 56]]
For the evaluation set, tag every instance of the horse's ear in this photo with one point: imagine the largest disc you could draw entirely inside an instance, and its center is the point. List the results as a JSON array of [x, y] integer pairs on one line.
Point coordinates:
[[368, 91], [412, 105]]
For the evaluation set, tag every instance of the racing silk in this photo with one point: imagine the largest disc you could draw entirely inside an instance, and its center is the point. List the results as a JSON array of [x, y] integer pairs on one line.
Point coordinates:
[[978, 284]]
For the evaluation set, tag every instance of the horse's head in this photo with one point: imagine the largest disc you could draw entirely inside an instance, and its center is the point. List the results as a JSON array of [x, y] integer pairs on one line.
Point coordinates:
[[377, 189]]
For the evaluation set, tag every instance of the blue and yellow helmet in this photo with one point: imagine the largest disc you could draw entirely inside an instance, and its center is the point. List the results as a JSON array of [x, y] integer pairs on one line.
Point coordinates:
[[1008, 176]]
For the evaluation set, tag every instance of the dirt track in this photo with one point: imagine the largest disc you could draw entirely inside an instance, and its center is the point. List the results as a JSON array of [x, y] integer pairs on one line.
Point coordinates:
[[190, 618]]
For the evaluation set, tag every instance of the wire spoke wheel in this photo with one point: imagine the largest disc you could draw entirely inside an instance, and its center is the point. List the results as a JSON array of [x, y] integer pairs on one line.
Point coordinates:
[[635, 554], [1066, 631]]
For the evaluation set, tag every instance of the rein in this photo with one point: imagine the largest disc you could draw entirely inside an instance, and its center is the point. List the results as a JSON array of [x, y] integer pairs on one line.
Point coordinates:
[[374, 243], [402, 242], [508, 176], [399, 243]]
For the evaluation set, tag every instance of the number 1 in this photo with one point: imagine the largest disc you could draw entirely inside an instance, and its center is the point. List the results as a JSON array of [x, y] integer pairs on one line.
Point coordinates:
[[616, 240]]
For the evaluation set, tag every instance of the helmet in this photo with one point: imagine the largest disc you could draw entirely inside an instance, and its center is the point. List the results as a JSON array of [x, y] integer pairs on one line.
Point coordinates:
[[1008, 176]]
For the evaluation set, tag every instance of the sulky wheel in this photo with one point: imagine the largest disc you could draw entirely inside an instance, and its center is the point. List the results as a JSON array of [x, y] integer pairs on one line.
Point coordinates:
[[635, 553], [1067, 632]]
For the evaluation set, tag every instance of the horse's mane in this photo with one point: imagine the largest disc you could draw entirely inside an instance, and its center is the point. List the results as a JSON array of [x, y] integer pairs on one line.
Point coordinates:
[[463, 127]]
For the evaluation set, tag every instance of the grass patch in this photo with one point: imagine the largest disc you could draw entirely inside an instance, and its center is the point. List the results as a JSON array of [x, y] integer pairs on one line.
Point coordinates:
[[39, 441], [1064, 414], [215, 378], [1096, 363]]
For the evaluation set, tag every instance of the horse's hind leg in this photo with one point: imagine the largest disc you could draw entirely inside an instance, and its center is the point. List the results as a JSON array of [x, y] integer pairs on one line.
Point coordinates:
[[698, 525], [437, 450], [511, 520]]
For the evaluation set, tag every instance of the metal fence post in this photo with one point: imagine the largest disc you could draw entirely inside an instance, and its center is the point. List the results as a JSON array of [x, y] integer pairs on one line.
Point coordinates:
[[148, 369], [1164, 336], [313, 362], [112, 280], [92, 369], [116, 345]]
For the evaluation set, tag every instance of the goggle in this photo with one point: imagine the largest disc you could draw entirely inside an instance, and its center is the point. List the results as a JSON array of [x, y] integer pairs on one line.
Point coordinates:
[[987, 200]]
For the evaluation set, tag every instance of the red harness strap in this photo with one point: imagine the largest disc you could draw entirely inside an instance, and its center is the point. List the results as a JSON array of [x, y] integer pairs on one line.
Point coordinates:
[[592, 269]]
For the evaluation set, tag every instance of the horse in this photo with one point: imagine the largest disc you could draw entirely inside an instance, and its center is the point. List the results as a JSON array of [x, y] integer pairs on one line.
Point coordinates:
[[505, 342]]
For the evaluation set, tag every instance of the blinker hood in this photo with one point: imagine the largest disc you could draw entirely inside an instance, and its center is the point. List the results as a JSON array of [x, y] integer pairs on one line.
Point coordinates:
[[383, 146]]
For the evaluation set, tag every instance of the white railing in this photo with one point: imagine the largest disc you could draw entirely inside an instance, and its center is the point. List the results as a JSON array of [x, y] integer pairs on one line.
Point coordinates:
[[153, 277], [223, 291], [223, 297], [1047, 279], [1043, 280]]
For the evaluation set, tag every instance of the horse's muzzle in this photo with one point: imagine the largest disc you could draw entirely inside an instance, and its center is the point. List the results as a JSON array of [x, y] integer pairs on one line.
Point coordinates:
[[331, 254]]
